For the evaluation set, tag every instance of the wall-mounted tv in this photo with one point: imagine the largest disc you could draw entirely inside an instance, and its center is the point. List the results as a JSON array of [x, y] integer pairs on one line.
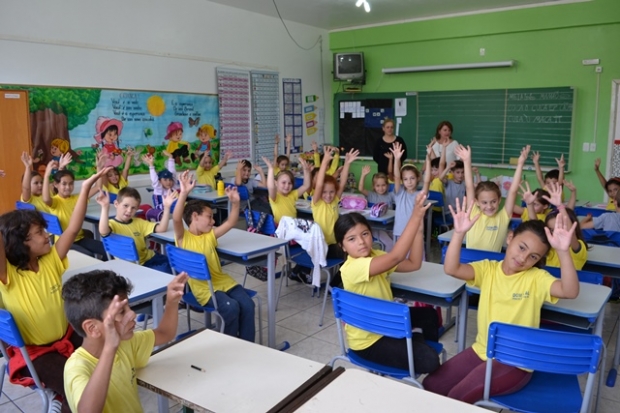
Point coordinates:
[[349, 67]]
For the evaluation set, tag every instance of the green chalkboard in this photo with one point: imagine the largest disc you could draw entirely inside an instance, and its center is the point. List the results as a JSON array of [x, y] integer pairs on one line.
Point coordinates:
[[495, 123]]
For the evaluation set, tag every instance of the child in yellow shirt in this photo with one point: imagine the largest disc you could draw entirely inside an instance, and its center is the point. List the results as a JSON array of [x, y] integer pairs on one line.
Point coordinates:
[[282, 196], [282, 162], [205, 173], [100, 376], [116, 180]]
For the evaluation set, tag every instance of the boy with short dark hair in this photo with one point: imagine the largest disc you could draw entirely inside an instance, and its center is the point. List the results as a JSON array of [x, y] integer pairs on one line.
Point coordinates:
[[455, 187], [125, 223], [100, 375]]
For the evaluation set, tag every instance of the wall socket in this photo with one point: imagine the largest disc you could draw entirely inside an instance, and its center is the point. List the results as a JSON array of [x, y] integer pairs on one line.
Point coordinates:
[[483, 51], [598, 69], [586, 147], [593, 147]]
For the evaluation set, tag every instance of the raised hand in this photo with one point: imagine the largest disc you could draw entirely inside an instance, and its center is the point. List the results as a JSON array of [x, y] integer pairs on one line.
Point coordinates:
[[95, 177], [562, 234], [526, 192], [288, 140], [50, 167], [103, 198], [240, 165], [389, 155], [305, 165], [570, 185], [397, 150], [420, 207], [555, 190], [267, 161], [232, 194], [365, 170], [176, 288], [315, 146], [461, 216], [535, 157], [351, 156], [187, 182], [597, 164], [148, 159], [561, 162], [170, 198], [277, 139], [114, 315], [452, 165], [259, 169], [65, 160], [328, 154], [524, 155], [27, 160], [462, 152]]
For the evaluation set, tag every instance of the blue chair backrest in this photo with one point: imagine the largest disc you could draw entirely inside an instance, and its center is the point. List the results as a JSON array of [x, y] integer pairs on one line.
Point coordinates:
[[544, 350], [391, 188], [298, 182], [584, 276], [24, 205], [595, 212], [436, 196], [269, 226], [471, 255], [121, 247], [372, 314], [599, 237], [9, 333], [193, 263], [112, 197], [53, 224], [244, 194]]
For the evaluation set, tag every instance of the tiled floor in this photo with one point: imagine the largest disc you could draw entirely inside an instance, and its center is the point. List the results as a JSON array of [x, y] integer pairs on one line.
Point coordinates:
[[298, 323]]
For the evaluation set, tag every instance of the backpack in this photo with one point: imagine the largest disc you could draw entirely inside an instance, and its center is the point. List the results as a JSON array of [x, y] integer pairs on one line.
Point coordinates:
[[353, 202], [378, 210]]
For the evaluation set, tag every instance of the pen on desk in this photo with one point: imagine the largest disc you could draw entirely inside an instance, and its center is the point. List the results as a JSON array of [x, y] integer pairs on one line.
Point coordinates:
[[198, 368]]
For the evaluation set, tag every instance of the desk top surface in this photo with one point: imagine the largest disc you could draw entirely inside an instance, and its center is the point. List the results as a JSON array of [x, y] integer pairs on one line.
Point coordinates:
[[78, 260], [430, 279], [357, 391], [306, 207], [146, 282], [239, 376], [202, 194]]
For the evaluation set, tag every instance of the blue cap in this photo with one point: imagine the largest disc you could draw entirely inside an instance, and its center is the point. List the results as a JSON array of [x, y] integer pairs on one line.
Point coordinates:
[[165, 174]]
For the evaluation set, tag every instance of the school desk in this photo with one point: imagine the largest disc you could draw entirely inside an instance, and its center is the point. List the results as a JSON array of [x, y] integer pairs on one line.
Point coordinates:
[[357, 391], [148, 285], [93, 215], [211, 196], [432, 286], [247, 248], [238, 376], [78, 260]]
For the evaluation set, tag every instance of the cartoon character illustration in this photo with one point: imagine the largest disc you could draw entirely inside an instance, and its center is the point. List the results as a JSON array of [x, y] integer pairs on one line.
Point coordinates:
[[176, 147], [205, 134], [107, 134], [58, 147]]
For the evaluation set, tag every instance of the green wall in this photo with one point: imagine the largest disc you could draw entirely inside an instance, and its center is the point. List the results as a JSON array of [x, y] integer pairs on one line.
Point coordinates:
[[548, 44]]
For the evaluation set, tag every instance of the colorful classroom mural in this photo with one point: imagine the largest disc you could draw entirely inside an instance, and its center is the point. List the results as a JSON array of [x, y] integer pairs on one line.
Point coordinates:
[[118, 123]]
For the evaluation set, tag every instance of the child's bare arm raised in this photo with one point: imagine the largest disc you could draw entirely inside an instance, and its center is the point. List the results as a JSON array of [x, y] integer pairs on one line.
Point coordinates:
[[162, 225], [276, 148], [561, 166], [103, 199], [465, 155], [360, 185], [573, 194], [427, 172], [305, 186], [529, 199], [47, 195], [288, 141], [599, 175], [462, 223], [167, 328], [397, 152], [271, 181], [516, 181], [568, 284], [128, 155], [233, 197], [187, 184], [320, 176], [26, 190], [349, 158], [539, 175]]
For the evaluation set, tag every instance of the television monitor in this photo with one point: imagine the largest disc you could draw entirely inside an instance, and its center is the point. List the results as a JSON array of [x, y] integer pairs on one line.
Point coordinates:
[[349, 67]]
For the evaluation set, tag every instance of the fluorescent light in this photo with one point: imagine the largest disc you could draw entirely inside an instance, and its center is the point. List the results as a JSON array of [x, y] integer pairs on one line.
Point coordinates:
[[367, 7], [359, 3], [460, 66]]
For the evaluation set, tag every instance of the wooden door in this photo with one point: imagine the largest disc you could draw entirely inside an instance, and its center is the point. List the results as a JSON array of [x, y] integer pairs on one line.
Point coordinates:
[[14, 139]]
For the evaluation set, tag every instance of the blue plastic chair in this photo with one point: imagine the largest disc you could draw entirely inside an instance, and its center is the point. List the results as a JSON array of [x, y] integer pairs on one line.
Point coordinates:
[[584, 276], [557, 358], [599, 237], [584, 210], [440, 219], [377, 316], [53, 224], [470, 255], [195, 265], [244, 196], [24, 205], [10, 335]]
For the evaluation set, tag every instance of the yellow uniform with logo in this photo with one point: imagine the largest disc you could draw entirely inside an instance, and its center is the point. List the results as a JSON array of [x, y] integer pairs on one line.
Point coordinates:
[[34, 299], [356, 278], [122, 183], [326, 215], [284, 205], [122, 394], [138, 229], [579, 258], [488, 233], [63, 209], [525, 216], [37, 202], [513, 299], [205, 177], [206, 244]]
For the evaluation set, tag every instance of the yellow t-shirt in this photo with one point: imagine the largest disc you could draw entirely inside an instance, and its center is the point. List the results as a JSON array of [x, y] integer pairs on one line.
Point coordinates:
[[122, 183], [488, 233], [525, 216], [63, 209], [138, 229], [333, 167], [356, 278], [206, 244], [437, 185], [579, 258], [326, 215], [37, 202], [610, 205], [205, 177], [513, 299], [122, 394], [284, 205], [34, 299]]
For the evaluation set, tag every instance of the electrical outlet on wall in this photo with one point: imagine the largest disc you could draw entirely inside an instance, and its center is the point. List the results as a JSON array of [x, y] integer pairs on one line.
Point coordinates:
[[586, 147], [599, 69], [593, 147], [483, 51]]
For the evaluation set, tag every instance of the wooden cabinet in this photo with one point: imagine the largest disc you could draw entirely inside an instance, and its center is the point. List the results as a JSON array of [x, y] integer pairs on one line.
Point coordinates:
[[14, 139]]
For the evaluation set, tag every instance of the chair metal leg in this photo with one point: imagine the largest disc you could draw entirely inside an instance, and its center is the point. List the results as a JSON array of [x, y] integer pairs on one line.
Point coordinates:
[[260, 320], [189, 322], [327, 288]]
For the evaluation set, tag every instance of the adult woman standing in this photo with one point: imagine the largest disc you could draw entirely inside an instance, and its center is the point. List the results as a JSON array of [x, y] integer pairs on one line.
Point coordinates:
[[382, 153], [443, 134]]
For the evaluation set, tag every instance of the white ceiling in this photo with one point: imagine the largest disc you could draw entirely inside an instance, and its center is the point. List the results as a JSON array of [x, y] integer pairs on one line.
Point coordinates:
[[338, 14]]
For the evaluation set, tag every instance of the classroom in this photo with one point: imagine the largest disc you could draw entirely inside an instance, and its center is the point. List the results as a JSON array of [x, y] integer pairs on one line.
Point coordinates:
[[194, 53]]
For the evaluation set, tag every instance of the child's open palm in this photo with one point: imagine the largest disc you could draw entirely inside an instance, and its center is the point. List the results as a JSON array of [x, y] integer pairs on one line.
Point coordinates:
[[114, 315], [307, 167], [570, 185], [187, 182], [555, 190], [170, 198], [524, 155], [597, 164], [562, 234], [176, 288], [365, 170], [148, 159], [561, 162], [351, 156], [65, 160], [267, 161], [103, 198], [27, 160], [232, 194], [462, 216], [526, 192], [315, 146], [535, 157], [397, 150], [462, 152], [420, 207]]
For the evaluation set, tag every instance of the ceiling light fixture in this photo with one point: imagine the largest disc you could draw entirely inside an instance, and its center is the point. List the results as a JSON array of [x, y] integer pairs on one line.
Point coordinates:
[[365, 3], [436, 68]]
